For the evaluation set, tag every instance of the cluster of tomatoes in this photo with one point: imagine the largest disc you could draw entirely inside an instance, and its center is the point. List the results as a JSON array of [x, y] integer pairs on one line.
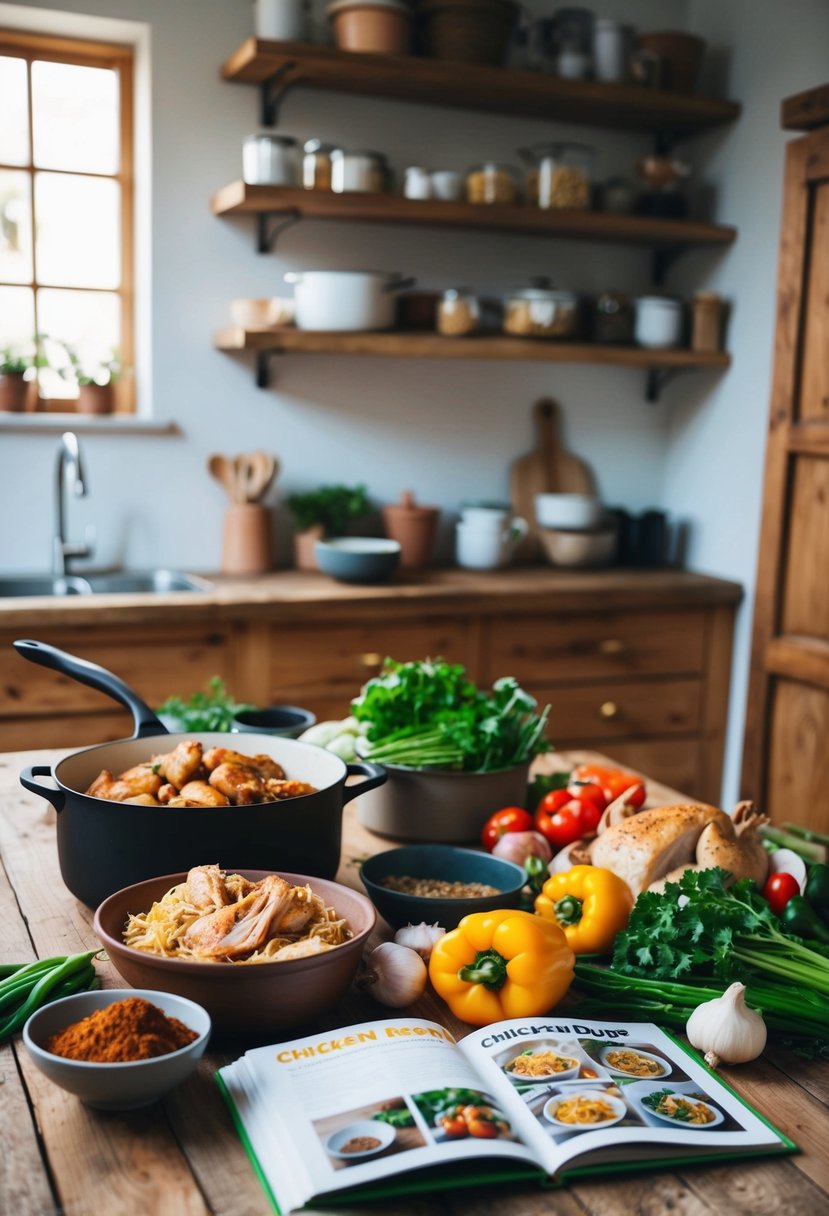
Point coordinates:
[[566, 815], [480, 1121]]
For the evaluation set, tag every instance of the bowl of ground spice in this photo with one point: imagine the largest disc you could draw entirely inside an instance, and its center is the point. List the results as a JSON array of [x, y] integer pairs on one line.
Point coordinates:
[[118, 1048], [439, 884]]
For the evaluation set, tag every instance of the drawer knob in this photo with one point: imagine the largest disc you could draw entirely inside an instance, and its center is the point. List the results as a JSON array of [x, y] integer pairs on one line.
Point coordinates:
[[612, 646], [609, 710], [370, 659]]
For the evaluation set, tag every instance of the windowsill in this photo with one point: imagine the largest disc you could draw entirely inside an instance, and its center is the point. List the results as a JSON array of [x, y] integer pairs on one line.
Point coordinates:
[[103, 424]]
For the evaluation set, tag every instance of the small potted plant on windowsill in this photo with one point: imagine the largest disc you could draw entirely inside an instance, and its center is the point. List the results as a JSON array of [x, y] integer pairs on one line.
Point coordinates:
[[95, 381], [15, 364], [323, 512]]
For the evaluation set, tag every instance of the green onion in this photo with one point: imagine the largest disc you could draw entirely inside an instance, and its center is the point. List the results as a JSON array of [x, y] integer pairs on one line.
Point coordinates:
[[27, 986]]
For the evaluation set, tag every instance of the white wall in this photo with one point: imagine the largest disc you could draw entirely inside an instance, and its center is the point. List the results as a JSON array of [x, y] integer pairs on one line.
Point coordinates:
[[448, 430]]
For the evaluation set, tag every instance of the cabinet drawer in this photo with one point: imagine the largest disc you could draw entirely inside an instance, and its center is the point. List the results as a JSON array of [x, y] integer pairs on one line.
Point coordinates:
[[535, 649], [173, 660], [582, 714], [64, 730], [334, 661]]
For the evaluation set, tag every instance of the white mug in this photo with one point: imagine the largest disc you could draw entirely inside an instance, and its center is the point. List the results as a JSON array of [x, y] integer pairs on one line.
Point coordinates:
[[417, 183], [493, 518], [488, 548], [447, 184]]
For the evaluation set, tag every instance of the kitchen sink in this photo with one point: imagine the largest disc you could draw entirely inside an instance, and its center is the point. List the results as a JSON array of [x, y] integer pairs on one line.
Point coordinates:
[[124, 582]]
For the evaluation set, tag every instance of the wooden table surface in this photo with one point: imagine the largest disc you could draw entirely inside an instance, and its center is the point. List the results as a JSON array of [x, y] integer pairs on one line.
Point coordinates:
[[182, 1156]]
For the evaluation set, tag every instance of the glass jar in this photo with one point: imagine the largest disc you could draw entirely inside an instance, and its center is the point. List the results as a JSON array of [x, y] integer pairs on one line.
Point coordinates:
[[316, 165], [541, 312], [565, 172], [613, 318], [458, 312], [270, 160], [363, 171], [618, 196], [573, 31], [492, 183]]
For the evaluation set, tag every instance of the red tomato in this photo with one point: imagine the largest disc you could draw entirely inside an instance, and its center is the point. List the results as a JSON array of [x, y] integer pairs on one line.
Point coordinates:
[[482, 1129], [508, 819], [619, 783], [592, 772], [588, 789], [569, 821], [779, 890]]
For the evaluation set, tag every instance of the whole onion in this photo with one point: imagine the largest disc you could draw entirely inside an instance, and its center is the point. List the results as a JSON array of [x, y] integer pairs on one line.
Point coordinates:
[[518, 846]]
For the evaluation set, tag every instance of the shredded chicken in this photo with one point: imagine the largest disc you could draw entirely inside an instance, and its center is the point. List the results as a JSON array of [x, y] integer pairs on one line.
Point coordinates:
[[242, 927]]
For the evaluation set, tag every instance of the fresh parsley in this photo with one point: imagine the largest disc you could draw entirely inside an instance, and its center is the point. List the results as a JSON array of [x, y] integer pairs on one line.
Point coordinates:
[[212, 709]]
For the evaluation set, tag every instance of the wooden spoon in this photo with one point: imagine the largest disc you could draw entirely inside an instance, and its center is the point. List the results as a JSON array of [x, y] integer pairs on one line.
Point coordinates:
[[222, 469], [254, 473]]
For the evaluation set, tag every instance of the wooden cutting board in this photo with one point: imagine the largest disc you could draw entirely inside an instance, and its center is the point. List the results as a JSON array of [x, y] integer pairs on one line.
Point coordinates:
[[547, 468]]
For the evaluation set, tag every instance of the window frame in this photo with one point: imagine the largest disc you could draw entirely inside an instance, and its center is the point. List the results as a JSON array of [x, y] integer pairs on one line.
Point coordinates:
[[119, 57]]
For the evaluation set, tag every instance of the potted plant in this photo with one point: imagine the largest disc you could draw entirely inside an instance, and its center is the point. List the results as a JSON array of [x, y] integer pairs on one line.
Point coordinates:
[[323, 512], [15, 362], [95, 381]]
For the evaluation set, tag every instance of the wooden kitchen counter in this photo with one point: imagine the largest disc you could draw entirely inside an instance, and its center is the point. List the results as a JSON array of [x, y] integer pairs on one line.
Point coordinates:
[[182, 1157]]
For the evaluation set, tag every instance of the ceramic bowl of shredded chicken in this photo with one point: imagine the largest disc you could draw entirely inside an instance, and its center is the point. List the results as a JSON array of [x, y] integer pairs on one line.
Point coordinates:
[[258, 949]]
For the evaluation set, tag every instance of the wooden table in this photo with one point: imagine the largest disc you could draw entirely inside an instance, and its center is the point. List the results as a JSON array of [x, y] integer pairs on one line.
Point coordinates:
[[182, 1156]]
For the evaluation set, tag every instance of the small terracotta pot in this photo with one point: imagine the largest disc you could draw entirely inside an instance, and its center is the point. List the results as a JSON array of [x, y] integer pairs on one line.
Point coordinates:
[[382, 27], [305, 557], [414, 528], [13, 392], [95, 399], [246, 542]]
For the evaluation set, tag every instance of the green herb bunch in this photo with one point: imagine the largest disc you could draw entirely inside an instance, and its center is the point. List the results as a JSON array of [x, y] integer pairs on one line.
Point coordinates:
[[429, 714], [213, 709], [330, 506]]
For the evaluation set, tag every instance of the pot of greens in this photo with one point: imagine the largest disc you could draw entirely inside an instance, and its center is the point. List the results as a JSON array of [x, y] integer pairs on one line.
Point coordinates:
[[453, 752]]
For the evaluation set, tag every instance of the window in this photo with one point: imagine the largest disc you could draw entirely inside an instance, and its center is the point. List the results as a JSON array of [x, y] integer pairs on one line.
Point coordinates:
[[66, 211]]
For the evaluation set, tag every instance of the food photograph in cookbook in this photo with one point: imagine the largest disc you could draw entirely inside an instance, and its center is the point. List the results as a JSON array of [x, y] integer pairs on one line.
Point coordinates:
[[460, 1114], [379, 1129]]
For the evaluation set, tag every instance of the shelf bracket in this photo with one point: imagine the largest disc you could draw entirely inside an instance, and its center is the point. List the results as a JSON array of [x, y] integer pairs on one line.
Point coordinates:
[[662, 261], [263, 367], [266, 238], [657, 378], [273, 89]]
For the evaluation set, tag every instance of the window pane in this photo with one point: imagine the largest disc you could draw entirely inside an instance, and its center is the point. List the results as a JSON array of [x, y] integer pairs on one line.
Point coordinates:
[[90, 321], [15, 227], [17, 317], [77, 230], [14, 127], [75, 117]]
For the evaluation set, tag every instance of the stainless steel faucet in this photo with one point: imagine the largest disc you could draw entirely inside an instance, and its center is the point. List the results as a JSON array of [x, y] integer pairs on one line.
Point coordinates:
[[68, 471]]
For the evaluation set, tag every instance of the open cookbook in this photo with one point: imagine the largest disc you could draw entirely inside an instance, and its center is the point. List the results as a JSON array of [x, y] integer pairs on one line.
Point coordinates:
[[397, 1106]]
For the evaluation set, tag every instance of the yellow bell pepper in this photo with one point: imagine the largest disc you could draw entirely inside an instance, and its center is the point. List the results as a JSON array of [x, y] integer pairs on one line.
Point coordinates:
[[501, 964], [590, 904]]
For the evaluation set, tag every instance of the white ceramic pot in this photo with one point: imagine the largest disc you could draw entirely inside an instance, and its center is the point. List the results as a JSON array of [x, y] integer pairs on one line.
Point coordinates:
[[488, 545], [575, 511], [332, 300], [282, 20], [658, 324]]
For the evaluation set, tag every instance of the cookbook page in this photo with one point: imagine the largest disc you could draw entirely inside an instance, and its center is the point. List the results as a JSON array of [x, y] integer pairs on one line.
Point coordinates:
[[605, 1088], [347, 1108]]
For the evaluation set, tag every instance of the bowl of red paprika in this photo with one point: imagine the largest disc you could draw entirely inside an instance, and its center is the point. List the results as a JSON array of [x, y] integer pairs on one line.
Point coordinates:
[[118, 1048]]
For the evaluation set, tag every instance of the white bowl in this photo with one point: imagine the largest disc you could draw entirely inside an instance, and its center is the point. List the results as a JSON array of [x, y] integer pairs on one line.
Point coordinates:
[[715, 1111], [116, 1086], [577, 549], [621, 1072], [568, 511], [363, 1127], [568, 1074], [262, 314], [619, 1109]]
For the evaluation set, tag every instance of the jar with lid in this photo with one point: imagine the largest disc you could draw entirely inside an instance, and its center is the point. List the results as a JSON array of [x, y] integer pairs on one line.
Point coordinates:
[[613, 318], [362, 171], [707, 316], [541, 312], [492, 183], [270, 160], [565, 173], [316, 165], [458, 312], [574, 43]]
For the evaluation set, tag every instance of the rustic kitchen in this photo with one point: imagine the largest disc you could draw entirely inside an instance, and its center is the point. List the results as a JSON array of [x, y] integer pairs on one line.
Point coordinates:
[[412, 439]]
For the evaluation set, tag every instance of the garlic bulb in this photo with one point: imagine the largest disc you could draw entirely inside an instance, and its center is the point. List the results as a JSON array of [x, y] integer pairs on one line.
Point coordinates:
[[394, 975], [420, 937], [726, 1030]]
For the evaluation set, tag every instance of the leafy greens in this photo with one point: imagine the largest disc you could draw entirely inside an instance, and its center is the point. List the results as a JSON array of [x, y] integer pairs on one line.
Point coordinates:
[[213, 709]]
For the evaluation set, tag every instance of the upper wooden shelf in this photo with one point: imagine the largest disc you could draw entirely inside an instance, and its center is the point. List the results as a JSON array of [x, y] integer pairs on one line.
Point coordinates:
[[282, 65], [239, 198]]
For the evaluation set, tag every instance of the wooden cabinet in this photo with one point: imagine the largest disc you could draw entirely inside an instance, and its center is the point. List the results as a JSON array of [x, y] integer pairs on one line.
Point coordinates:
[[633, 663]]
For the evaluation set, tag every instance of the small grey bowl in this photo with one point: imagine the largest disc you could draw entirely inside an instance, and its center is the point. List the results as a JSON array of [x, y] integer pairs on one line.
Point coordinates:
[[358, 559], [444, 862], [116, 1086], [286, 720]]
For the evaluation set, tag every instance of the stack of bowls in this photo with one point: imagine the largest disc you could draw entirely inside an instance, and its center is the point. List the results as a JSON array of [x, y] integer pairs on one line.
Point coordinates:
[[574, 530]]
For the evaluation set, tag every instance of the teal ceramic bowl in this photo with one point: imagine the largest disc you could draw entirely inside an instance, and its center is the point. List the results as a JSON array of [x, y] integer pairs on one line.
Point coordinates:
[[444, 862], [358, 559]]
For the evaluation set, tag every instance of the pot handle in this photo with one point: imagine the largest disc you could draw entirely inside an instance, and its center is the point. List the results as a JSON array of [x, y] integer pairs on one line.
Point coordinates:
[[375, 775], [27, 780], [146, 723], [400, 282]]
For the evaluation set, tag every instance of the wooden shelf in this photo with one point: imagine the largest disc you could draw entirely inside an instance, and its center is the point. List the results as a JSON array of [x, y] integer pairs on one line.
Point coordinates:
[[280, 66], [239, 198], [659, 364]]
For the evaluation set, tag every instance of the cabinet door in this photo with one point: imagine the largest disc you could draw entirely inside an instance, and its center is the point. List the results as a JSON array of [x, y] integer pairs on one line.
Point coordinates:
[[784, 762]]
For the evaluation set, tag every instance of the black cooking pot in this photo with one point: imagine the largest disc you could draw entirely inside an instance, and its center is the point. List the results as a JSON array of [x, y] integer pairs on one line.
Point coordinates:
[[104, 846]]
